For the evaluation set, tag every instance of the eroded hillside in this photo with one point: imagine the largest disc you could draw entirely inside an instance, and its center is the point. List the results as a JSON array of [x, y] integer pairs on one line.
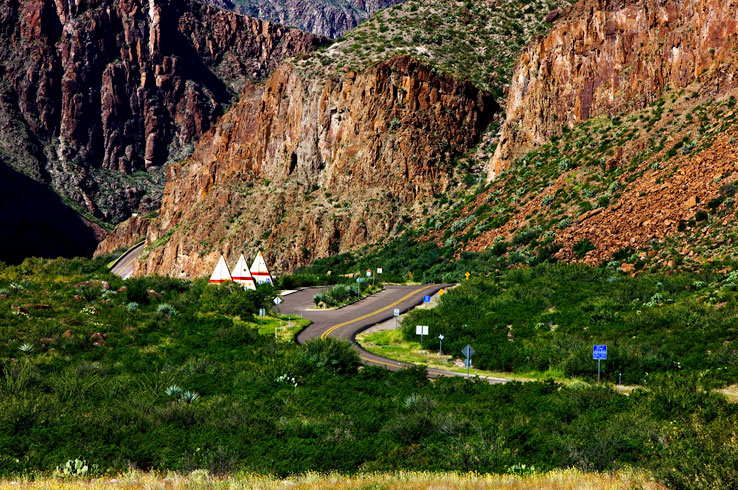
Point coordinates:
[[97, 95], [619, 143], [339, 150]]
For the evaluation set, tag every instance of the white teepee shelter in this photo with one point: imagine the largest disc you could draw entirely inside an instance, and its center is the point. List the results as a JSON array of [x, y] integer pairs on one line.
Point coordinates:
[[242, 275], [259, 270], [221, 273]]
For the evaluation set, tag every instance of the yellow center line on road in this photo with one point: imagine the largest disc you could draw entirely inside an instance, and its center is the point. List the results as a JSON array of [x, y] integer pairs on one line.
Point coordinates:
[[129, 262], [373, 361], [335, 327]]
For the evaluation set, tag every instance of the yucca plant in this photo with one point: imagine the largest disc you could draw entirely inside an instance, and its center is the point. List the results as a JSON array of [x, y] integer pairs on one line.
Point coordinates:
[[166, 309], [189, 396], [174, 390], [26, 348]]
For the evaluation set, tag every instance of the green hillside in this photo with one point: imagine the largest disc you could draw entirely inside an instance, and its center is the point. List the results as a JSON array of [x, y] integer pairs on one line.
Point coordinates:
[[473, 39]]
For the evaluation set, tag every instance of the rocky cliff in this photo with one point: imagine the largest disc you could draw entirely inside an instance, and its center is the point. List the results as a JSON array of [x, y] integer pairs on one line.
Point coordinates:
[[609, 57], [305, 166], [96, 96], [330, 18]]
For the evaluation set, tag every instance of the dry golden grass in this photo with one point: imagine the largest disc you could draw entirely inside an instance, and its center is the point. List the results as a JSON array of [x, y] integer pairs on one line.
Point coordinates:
[[730, 392], [554, 480]]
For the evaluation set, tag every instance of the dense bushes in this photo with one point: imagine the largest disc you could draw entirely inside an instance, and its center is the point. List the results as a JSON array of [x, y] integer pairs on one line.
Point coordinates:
[[232, 299], [339, 357], [548, 317], [199, 389], [342, 293]]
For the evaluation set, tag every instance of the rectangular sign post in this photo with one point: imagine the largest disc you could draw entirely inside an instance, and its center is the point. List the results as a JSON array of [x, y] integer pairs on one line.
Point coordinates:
[[440, 346], [396, 314], [262, 312], [599, 352], [468, 352], [421, 330], [426, 299]]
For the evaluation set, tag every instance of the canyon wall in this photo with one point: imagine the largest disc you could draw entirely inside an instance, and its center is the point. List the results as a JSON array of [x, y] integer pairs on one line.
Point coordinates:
[[97, 95], [608, 57], [305, 166], [330, 18]]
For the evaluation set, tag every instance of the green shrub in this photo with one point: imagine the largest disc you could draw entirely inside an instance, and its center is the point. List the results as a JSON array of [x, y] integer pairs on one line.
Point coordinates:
[[582, 247], [332, 355]]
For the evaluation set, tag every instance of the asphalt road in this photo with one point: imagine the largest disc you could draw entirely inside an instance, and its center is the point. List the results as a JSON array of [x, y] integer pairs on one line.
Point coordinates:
[[345, 323], [123, 267]]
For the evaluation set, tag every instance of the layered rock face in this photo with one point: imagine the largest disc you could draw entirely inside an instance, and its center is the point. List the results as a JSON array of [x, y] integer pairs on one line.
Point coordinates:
[[304, 167], [126, 234], [608, 57], [330, 18], [97, 95]]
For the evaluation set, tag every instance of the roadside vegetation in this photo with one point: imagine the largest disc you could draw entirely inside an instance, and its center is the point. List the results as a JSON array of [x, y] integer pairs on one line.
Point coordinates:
[[544, 320], [99, 377], [344, 294]]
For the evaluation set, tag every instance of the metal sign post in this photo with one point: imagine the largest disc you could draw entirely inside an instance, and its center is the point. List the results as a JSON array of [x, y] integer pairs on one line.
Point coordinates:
[[277, 300], [262, 312], [599, 353], [421, 330], [426, 299], [396, 314], [440, 346], [468, 352]]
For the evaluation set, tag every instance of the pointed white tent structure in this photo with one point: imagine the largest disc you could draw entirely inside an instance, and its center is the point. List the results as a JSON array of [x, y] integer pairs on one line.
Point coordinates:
[[259, 270], [242, 275], [221, 272]]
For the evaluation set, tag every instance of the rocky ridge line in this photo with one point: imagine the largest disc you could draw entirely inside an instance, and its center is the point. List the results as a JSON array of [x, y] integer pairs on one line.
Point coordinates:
[[606, 57]]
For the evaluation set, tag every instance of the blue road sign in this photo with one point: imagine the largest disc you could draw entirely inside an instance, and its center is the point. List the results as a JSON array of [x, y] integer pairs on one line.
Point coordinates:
[[426, 299], [599, 352]]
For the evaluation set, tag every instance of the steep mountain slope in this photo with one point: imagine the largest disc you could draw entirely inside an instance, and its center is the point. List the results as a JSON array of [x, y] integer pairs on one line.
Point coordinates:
[[96, 96], [341, 149], [619, 147], [609, 58], [330, 18], [619, 143]]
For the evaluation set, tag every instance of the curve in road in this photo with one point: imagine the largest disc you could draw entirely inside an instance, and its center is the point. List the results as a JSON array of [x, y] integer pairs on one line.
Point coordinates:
[[345, 323], [123, 267]]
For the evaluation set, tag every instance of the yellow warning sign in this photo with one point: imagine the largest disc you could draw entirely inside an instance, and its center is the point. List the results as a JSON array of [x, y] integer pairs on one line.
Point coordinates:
[[442, 292], [467, 276]]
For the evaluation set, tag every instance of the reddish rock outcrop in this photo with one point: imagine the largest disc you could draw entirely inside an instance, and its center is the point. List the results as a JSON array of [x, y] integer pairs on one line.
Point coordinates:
[[125, 235], [607, 57], [92, 92], [304, 167]]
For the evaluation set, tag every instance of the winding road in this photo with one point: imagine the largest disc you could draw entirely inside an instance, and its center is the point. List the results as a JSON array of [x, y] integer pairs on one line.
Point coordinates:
[[345, 323], [123, 266], [342, 323]]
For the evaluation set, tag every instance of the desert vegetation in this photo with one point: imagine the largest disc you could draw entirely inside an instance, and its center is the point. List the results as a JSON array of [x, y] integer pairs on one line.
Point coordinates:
[[101, 377], [472, 39]]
